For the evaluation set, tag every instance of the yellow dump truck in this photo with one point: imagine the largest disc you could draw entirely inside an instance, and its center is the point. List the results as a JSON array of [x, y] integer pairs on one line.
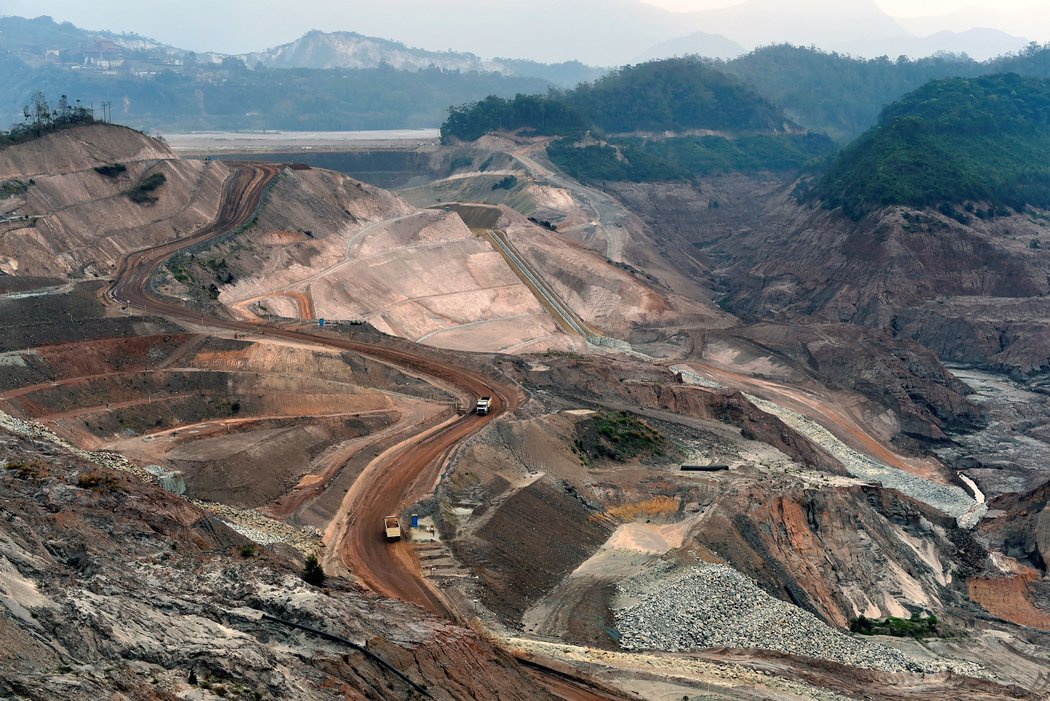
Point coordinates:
[[392, 527], [483, 406]]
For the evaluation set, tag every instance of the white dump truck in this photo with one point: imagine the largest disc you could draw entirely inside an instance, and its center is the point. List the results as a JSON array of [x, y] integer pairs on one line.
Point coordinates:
[[483, 405], [392, 527]]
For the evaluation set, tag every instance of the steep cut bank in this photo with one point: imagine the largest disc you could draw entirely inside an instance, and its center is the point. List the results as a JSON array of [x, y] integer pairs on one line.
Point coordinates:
[[203, 634], [75, 210]]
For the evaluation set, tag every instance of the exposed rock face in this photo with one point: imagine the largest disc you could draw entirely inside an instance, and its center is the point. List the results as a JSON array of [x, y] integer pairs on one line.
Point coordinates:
[[970, 291], [1024, 531], [801, 544], [112, 588], [1007, 335], [898, 374]]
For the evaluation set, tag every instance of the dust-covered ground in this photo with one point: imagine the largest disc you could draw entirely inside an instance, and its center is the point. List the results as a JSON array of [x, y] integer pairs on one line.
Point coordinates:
[[790, 536]]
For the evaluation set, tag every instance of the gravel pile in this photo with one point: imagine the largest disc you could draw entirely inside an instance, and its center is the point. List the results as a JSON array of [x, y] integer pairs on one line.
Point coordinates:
[[947, 498], [102, 458], [265, 530], [716, 606]]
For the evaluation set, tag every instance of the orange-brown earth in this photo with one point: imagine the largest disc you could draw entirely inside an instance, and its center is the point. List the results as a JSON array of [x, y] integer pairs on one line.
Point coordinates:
[[379, 430]]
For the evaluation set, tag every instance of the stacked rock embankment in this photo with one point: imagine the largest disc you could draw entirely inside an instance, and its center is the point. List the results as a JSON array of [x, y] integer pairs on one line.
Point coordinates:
[[709, 605]]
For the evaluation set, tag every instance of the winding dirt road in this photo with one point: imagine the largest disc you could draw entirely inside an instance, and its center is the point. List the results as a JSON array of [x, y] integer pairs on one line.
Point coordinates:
[[395, 478], [388, 484]]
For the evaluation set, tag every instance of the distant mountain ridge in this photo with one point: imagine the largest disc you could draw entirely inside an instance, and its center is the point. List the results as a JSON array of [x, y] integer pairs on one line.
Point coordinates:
[[695, 44], [317, 49], [822, 22], [327, 50], [42, 41]]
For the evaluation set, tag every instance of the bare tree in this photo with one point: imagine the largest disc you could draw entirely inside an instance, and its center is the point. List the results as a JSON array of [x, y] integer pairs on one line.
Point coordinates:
[[41, 111]]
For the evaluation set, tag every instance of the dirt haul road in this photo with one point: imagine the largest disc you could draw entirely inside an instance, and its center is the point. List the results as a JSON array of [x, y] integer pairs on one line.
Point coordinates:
[[395, 478], [359, 542]]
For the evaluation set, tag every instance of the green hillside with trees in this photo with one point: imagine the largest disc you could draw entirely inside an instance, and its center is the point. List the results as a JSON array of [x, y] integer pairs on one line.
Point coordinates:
[[640, 105], [676, 94], [537, 114], [679, 94], [842, 96], [979, 143]]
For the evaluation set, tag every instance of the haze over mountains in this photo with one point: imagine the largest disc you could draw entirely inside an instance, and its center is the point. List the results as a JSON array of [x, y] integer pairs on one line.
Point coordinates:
[[597, 32], [721, 378]]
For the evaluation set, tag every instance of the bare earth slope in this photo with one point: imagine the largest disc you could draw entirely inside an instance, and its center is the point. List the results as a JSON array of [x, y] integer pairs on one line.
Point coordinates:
[[972, 292], [165, 607], [337, 249], [74, 221], [562, 520]]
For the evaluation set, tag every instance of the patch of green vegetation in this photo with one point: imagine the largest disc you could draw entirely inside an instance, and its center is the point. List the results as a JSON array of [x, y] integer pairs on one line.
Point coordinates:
[[142, 193], [670, 95], [679, 158], [674, 94], [597, 162], [842, 95], [914, 627], [10, 188], [223, 276], [459, 162], [618, 436], [313, 573], [536, 114], [707, 155], [955, 141], [112, 170], [179, 271], [505, 183], [41, 118]]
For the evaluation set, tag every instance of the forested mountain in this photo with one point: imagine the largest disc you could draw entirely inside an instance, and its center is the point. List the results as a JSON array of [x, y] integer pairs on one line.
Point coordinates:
[[151, 85], [668, 120], [983, 143], [677, 95], [842, 96], [673, 95]]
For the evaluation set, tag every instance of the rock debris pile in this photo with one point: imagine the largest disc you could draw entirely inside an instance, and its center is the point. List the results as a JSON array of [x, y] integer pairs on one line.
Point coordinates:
[[716, 606], [102, 458], [949, 499]]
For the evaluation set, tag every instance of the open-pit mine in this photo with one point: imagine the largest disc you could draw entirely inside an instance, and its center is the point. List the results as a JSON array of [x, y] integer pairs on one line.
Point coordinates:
[[213, 397]]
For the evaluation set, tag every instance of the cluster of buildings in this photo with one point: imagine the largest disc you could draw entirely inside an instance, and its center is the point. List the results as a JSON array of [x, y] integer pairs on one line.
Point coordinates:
[[107, 56]]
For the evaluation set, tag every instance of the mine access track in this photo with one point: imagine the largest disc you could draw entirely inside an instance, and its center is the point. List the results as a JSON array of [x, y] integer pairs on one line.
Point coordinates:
[[390, 570]]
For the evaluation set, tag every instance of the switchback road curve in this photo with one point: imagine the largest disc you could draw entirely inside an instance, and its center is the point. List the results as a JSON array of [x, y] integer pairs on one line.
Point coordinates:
[[393, 480], [389, 569]]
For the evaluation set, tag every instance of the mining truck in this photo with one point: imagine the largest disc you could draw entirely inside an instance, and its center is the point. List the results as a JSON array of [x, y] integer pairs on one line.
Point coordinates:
[[482, 407], [392, 527]]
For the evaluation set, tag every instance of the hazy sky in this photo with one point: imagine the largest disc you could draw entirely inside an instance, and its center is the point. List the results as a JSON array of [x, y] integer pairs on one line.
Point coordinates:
[[897, 8], [523, 30]]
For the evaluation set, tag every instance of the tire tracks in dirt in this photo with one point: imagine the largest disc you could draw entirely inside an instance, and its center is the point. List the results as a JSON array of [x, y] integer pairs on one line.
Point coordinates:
[[401, 474]]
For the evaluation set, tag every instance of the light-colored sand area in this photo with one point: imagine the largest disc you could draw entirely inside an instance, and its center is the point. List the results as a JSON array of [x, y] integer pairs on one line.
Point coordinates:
[[423, 276], [204, 142]]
